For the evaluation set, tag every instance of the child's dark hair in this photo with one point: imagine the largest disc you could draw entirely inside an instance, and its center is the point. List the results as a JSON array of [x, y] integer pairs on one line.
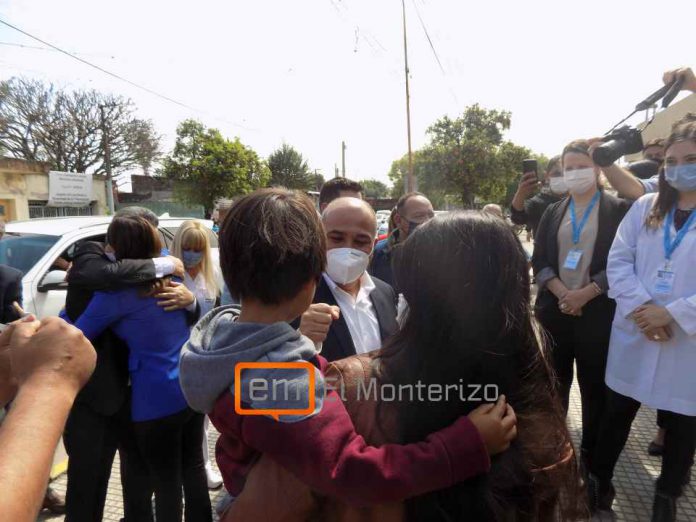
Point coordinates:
[[271, 244]]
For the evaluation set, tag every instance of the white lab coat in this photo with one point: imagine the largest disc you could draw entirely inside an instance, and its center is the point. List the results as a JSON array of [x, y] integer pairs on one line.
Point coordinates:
[[659, 375]]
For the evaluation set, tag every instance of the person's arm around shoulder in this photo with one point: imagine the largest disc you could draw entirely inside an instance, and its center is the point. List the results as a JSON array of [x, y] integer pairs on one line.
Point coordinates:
[[326, 453], [51, 361], [91, 268]]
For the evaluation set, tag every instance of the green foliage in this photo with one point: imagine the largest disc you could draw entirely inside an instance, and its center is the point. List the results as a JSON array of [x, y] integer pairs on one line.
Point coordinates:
[[468, 158], [208, 166], [374, 188], [289, 169]]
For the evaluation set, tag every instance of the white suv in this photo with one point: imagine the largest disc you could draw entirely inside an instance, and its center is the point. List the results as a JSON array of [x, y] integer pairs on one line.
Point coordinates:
[[34, 246]]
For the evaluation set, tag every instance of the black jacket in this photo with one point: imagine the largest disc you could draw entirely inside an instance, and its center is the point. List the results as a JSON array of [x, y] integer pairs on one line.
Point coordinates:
[[611, 212], [339, 343], [91, 271], [534, 208], [10, 291]]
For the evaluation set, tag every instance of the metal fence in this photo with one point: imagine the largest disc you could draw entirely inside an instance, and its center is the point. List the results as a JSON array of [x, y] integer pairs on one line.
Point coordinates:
[[38, 209]]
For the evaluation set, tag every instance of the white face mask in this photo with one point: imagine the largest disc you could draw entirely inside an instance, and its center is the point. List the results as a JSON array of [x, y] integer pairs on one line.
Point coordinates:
[[345, 265], [580, 181], [558, 185]]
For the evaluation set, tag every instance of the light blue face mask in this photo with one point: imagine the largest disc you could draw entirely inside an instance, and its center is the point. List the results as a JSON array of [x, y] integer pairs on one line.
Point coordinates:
[[191, 258], [682, 177]]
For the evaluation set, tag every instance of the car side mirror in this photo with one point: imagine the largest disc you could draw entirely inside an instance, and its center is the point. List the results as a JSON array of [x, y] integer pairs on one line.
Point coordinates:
[[54, 280]]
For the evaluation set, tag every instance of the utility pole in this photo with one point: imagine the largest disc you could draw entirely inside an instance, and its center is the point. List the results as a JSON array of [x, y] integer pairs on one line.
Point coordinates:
[[410, 182], [107, 162], [335, 170], [343, 159]]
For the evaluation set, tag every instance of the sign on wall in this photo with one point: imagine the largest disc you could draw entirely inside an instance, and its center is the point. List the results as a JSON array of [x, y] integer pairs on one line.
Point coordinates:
[[69, 189]]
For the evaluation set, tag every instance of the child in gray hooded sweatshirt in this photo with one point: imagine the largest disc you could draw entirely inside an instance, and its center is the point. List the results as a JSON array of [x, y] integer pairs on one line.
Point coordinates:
[[272, 252]]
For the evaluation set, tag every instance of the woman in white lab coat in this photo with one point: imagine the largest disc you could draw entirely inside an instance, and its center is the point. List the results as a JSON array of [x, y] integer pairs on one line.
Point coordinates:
[[652, 353], [202, 277]]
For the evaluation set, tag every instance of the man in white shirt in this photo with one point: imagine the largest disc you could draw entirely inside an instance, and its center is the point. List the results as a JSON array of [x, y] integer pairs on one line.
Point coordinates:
[[352, 311]]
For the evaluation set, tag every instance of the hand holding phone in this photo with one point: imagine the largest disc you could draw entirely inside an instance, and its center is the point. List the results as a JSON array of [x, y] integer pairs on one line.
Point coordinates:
[[530, 165]]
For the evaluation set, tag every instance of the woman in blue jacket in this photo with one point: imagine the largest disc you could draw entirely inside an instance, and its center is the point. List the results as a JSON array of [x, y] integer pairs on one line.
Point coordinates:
[[168, 432]]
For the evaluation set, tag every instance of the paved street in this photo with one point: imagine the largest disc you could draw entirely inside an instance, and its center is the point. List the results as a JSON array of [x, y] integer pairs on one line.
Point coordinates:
[[635, 475]]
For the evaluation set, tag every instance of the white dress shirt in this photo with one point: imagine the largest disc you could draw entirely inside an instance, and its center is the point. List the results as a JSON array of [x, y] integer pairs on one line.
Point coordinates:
[[657, 374], [204, 298], [359, 314]]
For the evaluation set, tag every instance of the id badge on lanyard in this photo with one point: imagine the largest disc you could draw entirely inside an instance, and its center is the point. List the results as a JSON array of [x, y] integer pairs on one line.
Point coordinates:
[[664, 282], [574, 256], [573, 260]]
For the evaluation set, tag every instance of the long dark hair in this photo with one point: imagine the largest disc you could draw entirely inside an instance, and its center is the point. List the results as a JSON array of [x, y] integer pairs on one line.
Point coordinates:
[[466, 281], [667, 197], [134, 237]]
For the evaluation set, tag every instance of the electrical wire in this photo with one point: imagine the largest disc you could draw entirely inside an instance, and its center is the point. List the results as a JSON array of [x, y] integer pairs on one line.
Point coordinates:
[[118, 77]]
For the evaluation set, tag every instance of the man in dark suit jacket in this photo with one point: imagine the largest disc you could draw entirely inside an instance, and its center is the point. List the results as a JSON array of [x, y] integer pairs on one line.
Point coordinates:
[[352, 312], [99, 422], [10, 292]]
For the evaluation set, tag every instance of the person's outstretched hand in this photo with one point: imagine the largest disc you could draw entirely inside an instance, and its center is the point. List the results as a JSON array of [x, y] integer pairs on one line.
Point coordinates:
[[497, 425], [684, 72]]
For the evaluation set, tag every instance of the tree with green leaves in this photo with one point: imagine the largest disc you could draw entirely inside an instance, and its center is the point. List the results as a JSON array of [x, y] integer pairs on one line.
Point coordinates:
[[467, 157], [207, 166], [373, 188], [289, 169]]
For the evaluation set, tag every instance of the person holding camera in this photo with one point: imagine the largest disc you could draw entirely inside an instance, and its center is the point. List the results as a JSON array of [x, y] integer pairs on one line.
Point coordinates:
[[528, 211], [652, 354], [569, 261], [626, 184]]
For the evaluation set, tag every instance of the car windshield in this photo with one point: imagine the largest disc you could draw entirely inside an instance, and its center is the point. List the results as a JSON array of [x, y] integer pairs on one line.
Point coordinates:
[[23, 251]]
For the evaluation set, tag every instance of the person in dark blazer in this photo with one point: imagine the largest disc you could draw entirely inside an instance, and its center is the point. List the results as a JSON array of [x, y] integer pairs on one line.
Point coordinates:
[[99, 421], [570, 259], [167, 432], [10, 292], [352, 311]]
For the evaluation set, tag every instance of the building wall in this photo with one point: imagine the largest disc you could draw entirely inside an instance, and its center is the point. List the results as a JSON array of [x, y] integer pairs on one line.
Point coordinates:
[[662, 124], [23, 181]]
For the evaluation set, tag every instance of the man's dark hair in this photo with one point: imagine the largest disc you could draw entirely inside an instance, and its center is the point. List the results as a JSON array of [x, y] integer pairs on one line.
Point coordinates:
[[272, 243], [404, 199], [142, 212], [332, 189], [657, 142]]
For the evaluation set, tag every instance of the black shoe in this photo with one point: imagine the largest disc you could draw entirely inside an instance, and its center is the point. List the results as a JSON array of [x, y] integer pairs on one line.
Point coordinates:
[[664, 508], [600, 495], [655, 449], [54, 502]]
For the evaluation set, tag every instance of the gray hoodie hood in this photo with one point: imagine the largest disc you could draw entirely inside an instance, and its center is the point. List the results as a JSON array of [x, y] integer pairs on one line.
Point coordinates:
[[219, 342]]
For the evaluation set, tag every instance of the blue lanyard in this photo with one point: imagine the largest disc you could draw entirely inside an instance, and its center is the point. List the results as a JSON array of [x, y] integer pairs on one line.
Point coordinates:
[[577, 229], [671, 246]]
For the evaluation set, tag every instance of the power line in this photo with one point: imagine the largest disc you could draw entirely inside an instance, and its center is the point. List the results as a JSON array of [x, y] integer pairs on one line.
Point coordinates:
[[427, 35], [37, 48], [113, 75], [432, 46]]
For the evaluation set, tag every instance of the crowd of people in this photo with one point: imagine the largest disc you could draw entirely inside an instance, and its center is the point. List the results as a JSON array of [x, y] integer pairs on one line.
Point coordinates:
[[150, 346]]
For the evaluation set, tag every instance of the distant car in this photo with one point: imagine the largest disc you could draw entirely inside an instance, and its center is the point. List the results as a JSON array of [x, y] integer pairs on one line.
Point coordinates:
[[35, 246]]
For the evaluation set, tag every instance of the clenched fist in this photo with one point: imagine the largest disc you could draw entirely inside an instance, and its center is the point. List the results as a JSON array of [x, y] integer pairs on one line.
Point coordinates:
[[51, 352], [316, 321]]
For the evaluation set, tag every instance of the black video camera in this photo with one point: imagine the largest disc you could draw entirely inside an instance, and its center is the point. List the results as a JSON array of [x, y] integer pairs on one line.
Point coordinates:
[[618, 143]]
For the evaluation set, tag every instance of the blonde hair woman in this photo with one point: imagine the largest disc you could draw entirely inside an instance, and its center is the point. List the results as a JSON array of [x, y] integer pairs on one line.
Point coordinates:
[[192, 246], [201, 277]]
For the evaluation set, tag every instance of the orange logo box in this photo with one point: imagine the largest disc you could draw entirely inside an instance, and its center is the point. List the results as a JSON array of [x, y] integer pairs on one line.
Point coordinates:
[[276, 412]]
